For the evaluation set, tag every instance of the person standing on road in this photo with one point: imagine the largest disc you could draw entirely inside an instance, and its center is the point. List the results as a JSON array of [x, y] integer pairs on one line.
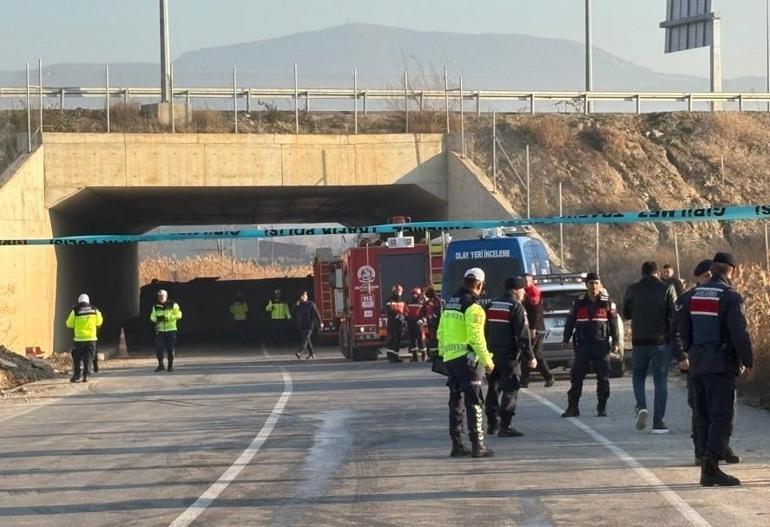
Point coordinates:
[[395, 309], [85, 321], [307, 319], [649, 305], [713, 328], [508, 339], [239, 310], [533, 303], [463, 349], [669, 276], [414, 313], [279, 317], [593, 322], [165, 315], [432, 315], [702, 276]]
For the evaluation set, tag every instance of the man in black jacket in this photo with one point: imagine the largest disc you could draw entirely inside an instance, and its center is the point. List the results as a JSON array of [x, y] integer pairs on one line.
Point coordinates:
[[507, 333], [649, 305], [308, 319]]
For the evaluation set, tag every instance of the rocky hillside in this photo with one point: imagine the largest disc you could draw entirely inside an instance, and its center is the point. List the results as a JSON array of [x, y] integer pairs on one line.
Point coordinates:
[[613, 163]]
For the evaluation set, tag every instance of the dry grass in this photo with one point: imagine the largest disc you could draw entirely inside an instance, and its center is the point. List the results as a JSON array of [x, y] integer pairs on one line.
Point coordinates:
[[754, 285], [185, 269]]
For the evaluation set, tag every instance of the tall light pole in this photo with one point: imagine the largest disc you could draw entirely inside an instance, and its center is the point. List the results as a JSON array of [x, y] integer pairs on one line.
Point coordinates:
[[165, 54], [589, 52]]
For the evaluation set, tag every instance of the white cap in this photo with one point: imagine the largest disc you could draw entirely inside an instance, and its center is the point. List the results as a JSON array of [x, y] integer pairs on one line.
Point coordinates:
[[475, 274], [83, 299], [162, 292]]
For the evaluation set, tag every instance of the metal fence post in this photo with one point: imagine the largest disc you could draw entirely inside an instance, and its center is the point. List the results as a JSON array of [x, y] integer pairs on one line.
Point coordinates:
[[494, 151], [366, 102], [61, 99], [235, 100], [171, 100], [29, 115], [638, 104], [406, 101], [597, 248], [248, 100], [107, 94], [355, 101], [40, 93], [478, 104], [676, 250], [767, 247], [529, 208], [188, 108], [307, 102], [462, 119], [446, 96], [561, 227], [296, 100], [125, 96], [532, 104]]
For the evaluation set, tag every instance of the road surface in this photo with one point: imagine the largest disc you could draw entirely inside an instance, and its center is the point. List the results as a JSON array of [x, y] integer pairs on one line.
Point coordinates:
[[251, 439]]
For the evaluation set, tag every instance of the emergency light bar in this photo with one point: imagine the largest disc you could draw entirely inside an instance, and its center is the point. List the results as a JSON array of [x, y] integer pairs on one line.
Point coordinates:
[[563, 278], [400, 242]]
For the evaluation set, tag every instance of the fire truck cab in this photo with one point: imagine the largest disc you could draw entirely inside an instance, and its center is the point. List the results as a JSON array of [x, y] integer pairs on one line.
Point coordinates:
[[368, 273]]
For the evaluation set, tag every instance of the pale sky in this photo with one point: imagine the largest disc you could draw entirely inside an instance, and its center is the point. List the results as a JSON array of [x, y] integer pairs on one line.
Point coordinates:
[[100, 31]]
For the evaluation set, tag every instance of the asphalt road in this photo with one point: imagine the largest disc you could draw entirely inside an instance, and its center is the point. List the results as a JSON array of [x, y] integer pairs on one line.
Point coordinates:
[[244, 439]]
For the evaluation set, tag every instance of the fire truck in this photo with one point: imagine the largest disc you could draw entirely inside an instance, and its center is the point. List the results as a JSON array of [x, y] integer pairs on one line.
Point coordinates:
[[364, 279]]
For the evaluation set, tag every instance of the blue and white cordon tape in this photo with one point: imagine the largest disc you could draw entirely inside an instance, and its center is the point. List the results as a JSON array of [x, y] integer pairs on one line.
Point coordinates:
[[745, 212]]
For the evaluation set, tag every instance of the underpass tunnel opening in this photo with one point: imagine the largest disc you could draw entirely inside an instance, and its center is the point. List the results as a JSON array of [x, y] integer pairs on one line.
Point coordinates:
[[110, 274]]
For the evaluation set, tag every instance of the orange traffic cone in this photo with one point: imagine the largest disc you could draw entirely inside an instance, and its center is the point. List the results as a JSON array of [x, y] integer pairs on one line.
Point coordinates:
[[122, 347]]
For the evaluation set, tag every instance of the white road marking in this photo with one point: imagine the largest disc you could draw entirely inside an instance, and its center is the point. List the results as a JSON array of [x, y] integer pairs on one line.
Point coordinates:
[[689, 514], [213, 492]]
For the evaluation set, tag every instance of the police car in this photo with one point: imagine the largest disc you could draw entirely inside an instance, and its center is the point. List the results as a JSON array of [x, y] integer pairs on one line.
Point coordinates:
[[559, 292]]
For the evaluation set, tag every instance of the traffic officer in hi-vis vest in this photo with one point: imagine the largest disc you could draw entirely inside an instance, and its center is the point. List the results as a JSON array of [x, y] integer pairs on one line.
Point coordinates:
[[165, 315], [85, 320]]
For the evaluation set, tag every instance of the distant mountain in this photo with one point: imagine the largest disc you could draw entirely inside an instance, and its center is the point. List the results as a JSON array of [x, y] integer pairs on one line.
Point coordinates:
[[326, 58]]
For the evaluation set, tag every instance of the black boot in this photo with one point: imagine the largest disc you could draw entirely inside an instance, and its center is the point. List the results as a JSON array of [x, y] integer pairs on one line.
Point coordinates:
[[571, 411], [393, 357], [75, 378], [96, 365], [730, 457], [549, 382], [458, 448], [170, 366], [480, 450], [711, 475], [601, 409], [492, 426], [509, 431], [414, 355], [698, 460], [160, 367]]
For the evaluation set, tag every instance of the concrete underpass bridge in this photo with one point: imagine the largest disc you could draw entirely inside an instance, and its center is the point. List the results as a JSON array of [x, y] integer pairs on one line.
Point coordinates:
[[131, 183]]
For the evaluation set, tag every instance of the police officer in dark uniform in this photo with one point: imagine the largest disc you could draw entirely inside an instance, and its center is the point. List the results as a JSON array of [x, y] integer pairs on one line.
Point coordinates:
[[712, 327], [507, 333], [593, 321]]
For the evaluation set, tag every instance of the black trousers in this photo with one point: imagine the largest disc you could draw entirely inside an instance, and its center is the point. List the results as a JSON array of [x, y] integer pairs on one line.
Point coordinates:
[[416, 340], [465, 400], [165, 344], [695, 421], [279, 332], [714, 404], [502, 392], [395, 328], [82, 356], [586, 356], [542, 364], [432, 342], [306, 343]]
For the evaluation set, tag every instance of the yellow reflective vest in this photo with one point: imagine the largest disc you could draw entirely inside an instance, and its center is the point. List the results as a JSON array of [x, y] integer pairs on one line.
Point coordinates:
[[165, 316], [239, 310], [278, 309], [461, 329], [85, 320]]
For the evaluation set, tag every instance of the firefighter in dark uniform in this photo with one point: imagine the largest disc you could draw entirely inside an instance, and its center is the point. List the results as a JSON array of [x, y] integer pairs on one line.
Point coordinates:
[[431, 312], [395, 309], [414, 323], [508, 339], [593, 322], [463, 349], [712, 326]]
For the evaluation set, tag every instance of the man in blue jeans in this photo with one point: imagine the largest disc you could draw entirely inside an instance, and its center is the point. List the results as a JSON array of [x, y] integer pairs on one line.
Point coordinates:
[[649, 304]]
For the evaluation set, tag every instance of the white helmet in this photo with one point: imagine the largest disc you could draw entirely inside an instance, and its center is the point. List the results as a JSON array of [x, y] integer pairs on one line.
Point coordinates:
[[475, 274], [163, 292], [83, 299]]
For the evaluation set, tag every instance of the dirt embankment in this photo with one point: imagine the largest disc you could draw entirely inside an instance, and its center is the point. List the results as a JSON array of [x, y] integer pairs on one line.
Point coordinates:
[[16, 369]]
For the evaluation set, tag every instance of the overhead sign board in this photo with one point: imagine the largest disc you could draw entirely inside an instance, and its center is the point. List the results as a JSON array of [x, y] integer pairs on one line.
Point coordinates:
[[689, 24]]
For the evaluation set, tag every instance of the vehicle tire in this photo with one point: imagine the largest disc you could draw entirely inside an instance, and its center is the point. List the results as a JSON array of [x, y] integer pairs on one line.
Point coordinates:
[[617, 368], [345, 344]]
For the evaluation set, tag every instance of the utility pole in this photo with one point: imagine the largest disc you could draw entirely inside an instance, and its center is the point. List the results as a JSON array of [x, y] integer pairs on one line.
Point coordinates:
[[589, 54], [767, 53], [165, 54]]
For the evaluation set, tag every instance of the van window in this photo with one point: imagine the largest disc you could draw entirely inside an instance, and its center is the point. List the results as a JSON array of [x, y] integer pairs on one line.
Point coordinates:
[[536, 257], [497, 270]]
